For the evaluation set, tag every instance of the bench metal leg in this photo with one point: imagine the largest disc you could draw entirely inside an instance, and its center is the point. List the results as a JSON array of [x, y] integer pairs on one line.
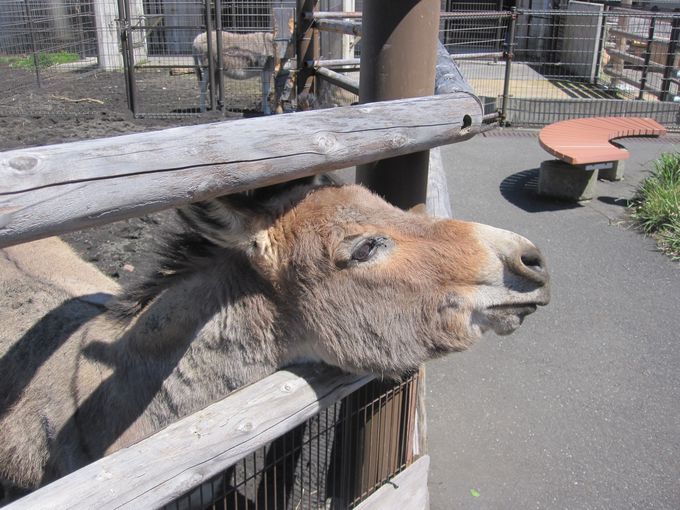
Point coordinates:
[[558, 179]]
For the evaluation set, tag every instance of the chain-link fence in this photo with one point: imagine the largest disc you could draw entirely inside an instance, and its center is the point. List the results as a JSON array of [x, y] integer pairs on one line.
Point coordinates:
[[583, 60], [536, 66], [476, 40], [335, 460], [49, 49], [79, 56], [164, 79], [541, 66]]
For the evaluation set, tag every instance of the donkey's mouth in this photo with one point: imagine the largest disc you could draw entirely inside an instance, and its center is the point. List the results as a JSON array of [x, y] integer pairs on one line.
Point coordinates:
[[504, 319], [515, 308]]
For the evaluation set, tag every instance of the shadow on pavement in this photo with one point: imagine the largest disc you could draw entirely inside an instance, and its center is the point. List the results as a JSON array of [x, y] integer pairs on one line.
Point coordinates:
[[521, 188], [621, 202]]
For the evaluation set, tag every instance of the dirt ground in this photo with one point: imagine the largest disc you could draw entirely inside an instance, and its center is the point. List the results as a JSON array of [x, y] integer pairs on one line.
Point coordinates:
[[94, 106]]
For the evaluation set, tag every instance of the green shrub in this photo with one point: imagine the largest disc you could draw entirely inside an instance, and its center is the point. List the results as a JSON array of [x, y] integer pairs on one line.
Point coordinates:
[[656, 206]]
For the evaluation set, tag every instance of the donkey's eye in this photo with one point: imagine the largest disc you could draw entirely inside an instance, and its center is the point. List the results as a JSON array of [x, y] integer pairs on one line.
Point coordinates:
[[365, 250]]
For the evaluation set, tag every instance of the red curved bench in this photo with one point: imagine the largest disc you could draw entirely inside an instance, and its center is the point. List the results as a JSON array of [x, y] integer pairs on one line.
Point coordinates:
[[583, 148], [583, 141]]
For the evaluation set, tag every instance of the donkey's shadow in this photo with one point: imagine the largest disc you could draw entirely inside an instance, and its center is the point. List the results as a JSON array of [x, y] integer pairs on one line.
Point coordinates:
[[24, 358]]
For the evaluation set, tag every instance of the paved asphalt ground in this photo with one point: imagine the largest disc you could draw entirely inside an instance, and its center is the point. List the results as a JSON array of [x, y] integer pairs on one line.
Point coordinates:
[[580, 408]]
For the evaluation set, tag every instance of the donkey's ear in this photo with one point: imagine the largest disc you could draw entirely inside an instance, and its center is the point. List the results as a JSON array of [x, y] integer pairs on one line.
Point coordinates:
[[229, 221], [419, 209]]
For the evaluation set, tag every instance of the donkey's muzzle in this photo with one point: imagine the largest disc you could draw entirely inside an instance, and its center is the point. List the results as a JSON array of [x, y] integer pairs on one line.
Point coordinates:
[[524, 272]]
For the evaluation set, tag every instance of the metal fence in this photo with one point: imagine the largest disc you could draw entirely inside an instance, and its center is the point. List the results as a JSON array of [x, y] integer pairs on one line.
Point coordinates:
[[44, 48], [79, 56], [539, 67], [335, 460], [536, 66], [163, 81]]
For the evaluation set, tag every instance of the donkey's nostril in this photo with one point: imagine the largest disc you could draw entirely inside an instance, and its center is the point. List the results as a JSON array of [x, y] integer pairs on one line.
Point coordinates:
[[532, 260], [532, 266]]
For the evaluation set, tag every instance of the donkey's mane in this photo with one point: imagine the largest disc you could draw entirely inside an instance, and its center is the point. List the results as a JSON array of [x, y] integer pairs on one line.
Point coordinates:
[[179, 255]]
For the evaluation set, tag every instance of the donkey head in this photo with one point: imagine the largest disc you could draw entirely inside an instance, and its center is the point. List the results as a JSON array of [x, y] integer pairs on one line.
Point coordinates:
[[368, 287]]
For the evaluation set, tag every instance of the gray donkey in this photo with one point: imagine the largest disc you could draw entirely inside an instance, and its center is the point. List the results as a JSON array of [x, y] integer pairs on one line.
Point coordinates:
[[257, 282], [244, 55]]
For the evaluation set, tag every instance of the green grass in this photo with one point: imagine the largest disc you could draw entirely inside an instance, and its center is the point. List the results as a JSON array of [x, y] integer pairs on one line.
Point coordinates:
[[44, 60], [656, 205]]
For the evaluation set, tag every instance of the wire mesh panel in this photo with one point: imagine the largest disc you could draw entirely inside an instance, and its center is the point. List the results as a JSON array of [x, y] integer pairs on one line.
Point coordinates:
[[78, 56], [333, 461], [338, 47], [586, 52], [176, 64], [466, 5], [247, 16], [50, 51], [161, 36], [476, 40], [641, 54]]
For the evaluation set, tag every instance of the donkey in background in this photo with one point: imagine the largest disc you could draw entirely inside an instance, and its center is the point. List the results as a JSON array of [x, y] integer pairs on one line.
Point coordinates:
[[244, 56], [256, 282]]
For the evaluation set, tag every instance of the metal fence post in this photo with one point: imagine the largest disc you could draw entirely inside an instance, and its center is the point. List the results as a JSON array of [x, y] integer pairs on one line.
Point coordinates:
[[647, 56], [508, 54], [211, 54], [307, 46], [128, 53], [34, 47], [220, 55], [398, 58], [670, 57]]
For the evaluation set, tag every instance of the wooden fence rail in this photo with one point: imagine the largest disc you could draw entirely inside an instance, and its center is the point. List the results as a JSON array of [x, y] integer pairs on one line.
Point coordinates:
[[50, 190], [163, 467]]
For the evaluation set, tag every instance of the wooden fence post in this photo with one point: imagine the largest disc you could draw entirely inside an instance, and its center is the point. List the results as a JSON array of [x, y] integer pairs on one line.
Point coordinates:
[[307, 46]]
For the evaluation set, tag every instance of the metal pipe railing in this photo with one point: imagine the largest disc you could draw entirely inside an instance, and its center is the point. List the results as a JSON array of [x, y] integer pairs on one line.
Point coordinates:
[[337, 62], [647, 57], [509, 55], [338, 80], [339, 26]]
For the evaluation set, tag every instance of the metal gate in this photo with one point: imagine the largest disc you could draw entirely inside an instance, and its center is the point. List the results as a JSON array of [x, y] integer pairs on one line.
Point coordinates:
[[161, 71]]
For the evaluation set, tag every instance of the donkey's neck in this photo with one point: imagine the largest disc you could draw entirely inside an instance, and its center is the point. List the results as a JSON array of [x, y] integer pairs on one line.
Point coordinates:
[[199, 339]]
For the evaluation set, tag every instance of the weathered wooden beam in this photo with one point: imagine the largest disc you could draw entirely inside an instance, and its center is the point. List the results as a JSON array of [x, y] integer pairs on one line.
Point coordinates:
[[59, 188], [331, 15], [339, 26], [638, 61], [339, 80], [175, 460], [448, 77], [306, 46], [438, 203], [407, 490], [337, 62]]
